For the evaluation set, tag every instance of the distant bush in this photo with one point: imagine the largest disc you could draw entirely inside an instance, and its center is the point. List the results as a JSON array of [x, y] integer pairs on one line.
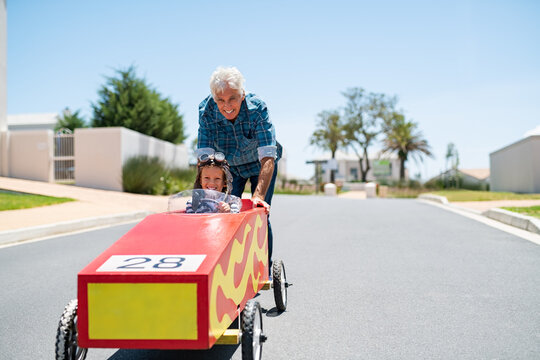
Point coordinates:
[[175, 180], [436, 184], [149, 175], [141, 174], [410, 184], [439, 184]]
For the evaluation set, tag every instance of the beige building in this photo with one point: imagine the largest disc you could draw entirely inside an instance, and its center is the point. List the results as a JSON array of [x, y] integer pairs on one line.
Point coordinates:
[[516, 167], [383, 167]]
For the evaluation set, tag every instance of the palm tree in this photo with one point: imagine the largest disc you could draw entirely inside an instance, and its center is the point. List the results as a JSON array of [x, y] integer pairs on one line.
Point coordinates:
[[403, 138], [329, 134], [69, 120]]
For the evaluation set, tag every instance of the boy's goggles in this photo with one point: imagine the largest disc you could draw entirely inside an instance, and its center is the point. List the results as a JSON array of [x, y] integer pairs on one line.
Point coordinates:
[[215, 157]]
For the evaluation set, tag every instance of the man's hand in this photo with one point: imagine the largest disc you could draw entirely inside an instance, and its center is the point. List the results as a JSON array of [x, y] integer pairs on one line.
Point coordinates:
[[258, 202]]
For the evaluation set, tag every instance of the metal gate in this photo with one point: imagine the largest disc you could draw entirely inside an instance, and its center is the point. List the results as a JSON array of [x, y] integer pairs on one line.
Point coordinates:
[[64, 156]]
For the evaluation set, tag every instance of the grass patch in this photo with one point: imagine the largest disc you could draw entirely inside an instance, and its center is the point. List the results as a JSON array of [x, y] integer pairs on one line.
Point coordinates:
[[529, 211], [404, 193], [292, 192], [12, 200], [475, 195]]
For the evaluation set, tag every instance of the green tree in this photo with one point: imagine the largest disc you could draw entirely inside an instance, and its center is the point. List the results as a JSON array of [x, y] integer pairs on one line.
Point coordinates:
[[403, 138], [363, 113], [69, 120], [329, 134], [128, 101]]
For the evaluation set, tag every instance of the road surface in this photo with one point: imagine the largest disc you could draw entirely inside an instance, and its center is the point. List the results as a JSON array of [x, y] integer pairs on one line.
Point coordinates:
[[373, 279]]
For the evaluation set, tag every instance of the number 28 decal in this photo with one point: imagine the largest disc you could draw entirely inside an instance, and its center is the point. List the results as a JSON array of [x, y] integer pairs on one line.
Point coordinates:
[[152, 263]]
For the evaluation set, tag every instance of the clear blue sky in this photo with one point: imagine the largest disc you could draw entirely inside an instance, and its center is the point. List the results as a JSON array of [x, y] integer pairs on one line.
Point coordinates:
[[467, 72]]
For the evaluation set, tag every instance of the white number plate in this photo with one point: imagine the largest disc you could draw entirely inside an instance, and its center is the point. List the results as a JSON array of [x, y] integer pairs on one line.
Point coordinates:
[[168, 263]]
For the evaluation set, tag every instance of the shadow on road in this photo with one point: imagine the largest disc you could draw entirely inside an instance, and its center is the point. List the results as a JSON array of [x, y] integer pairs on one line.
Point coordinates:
[[216, 352], [273, 312]]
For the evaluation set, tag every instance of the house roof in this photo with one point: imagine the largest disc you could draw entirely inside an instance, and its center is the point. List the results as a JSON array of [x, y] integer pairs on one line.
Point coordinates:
[[479, 174], [531, 135], [32, 119], [535, 131]]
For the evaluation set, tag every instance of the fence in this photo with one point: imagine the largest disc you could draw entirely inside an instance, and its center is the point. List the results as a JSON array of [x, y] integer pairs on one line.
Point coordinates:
[[64, 156]]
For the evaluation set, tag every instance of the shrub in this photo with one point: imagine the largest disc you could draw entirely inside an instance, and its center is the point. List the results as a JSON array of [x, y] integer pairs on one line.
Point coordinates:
[[148, 175], [174, 181], [141, 174]]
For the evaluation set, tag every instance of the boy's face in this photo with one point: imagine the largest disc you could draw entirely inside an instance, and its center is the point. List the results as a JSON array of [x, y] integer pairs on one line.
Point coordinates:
[[212, 178]]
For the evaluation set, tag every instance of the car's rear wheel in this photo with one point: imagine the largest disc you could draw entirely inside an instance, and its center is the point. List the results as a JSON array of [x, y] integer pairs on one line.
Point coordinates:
[[252, 331]]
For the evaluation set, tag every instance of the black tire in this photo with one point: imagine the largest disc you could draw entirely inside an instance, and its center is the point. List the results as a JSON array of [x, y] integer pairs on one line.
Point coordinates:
[[280, 285], [252, 331], [67, 347]]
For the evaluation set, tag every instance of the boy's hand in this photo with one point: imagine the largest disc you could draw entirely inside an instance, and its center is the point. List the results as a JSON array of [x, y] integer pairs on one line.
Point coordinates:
[[223, 207]]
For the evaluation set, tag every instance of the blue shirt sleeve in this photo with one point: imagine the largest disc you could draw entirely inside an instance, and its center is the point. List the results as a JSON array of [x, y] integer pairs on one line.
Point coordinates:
[[264, 129]]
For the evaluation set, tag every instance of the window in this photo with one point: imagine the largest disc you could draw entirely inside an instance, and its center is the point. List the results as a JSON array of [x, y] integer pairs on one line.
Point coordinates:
[[354, 173]]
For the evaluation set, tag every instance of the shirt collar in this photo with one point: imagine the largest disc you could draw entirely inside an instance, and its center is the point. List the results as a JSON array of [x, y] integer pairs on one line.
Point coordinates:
[[250, 105]]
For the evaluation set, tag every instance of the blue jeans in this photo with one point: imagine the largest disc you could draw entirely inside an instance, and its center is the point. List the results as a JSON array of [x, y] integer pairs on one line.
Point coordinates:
[[239, 183]]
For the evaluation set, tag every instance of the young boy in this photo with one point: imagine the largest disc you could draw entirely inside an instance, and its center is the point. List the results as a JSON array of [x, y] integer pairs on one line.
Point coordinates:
[[212, 174]]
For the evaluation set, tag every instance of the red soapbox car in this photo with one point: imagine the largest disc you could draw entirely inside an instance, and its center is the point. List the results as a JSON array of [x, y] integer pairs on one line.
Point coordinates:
[[176, 281]]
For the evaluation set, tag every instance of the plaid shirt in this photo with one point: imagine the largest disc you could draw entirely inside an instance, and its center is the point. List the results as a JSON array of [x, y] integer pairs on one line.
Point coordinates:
[[245, 141]]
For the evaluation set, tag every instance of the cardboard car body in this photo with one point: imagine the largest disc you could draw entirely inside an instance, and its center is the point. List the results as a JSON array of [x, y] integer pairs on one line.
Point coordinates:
[[174, 281]]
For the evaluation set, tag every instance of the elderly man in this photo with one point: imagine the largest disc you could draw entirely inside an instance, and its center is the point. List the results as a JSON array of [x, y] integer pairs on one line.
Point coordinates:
[[237, 124]]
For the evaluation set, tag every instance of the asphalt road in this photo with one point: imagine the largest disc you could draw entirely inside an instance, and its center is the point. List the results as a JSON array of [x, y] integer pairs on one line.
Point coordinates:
[[373, 279]]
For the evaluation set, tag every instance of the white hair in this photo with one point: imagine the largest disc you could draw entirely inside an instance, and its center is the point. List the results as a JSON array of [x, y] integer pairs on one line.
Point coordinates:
[[223, 77]]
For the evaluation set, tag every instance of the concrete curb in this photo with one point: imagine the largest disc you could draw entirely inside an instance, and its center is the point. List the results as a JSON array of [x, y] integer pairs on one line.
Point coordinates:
[[524, 222], [440, 199], [18, 235]]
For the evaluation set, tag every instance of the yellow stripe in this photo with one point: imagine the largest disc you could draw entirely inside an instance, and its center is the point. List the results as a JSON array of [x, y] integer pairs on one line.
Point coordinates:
[[225, 279], [142, 311]]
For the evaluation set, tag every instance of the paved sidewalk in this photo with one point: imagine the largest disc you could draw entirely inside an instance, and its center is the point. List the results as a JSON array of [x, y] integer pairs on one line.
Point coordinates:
[[93, 208], [492, 210], [482, 206]]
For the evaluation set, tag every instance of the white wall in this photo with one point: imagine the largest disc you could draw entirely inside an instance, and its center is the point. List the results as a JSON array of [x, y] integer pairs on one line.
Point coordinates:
[[101, 152], [98, 158], [516, 167], [30, 155]]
